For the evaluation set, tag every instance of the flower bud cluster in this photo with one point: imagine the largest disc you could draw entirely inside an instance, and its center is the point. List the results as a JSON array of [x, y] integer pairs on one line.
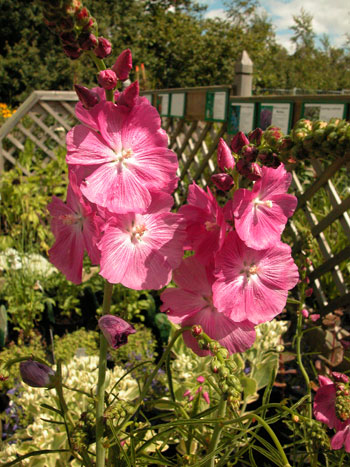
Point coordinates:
[[84, 432], [75, 27], [249, 154], [342, 401], [317, 138], [222, 365], [311, 429], [268, 336], [118, 410]]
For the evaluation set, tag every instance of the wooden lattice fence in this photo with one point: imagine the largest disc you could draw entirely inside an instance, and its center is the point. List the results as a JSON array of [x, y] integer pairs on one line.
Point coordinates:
[[45, 117]]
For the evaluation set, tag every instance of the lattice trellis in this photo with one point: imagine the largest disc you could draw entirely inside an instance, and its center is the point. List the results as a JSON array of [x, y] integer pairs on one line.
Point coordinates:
[[45, 117]]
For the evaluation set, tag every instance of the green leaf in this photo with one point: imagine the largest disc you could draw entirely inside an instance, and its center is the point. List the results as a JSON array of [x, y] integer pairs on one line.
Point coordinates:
[[249, 387]]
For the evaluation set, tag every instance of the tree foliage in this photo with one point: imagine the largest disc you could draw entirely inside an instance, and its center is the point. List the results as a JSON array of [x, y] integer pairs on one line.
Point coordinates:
[[176, 44]]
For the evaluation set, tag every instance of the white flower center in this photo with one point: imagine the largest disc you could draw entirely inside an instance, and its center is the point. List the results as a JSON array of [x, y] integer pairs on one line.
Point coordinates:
[[137, 232], [257, 202], [122, 156]]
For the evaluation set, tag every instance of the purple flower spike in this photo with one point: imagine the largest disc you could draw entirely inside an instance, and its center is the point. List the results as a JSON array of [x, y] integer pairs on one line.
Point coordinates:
[[37, 374], [115, 330]]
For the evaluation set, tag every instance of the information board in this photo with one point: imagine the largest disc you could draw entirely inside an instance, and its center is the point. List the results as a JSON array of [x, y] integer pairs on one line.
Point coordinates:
[[149, 97], [276, 114], [163, 101], [216, 106], [323, 111], [177, 104], [240, 117]]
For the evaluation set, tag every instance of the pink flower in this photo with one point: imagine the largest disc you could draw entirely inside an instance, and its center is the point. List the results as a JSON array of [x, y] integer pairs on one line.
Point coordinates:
[[76, 227], [205, 223], [261, 214], [324, 404], [191, 304], [130, 154], [115, 330], [314, 317], [225, 157], [107, 79], [123, 65], [252, 284], [141, 250], [342, 438]]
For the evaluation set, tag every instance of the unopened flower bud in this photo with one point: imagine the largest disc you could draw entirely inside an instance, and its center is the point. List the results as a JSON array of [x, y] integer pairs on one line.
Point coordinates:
[[315, 317], [340, 377], [103, 49], [115, 330], [222, 181], [72, 52], [37, 374], [129, 96], [295, 418], [82, 17], [87, 41], [107, 79], [305, 313], [200, 379], [196, 330], [206, 397], [225, 158], [255, 136], [309, 292], [123, 65], [250, 153], [87, 97], [238, 142]]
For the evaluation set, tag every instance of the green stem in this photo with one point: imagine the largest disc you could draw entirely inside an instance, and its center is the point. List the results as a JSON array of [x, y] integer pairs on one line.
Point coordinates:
[[300, 362], [102, 366], [217, 432], [274, 439]]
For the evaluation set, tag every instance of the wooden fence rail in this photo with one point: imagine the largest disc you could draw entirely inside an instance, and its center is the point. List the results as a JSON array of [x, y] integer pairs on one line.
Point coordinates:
[[46, 116]]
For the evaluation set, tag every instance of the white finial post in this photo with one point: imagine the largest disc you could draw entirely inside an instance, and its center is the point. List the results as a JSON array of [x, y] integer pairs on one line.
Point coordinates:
[[244, 75]]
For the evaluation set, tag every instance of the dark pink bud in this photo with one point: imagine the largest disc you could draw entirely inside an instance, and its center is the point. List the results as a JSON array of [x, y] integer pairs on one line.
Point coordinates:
[[129, 96], [222, 181], [72, 52], [340, 377], [123, 65], [201, 379], [82, 17], [187, 393], [255, 136], [305, 313], [196, 330], [115, 330], [87, 41], [315, 317], [91, 25], [103, 49], [255, 172], [206, 397], [107, 79], [37, 374], [250, 153], [238, 142], [309, 292], [69, 38], [87, 97], [225, 158]]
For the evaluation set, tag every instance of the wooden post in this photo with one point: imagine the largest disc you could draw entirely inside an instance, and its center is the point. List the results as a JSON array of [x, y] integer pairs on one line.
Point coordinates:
[[243, 75]]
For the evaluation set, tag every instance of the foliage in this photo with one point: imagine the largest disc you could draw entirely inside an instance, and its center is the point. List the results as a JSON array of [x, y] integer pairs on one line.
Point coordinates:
[[43, 427]]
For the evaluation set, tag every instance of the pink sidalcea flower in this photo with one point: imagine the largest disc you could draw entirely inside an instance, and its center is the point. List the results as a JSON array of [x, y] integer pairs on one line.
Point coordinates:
[[131, 155], [141, 250], [76, 227], [325, 402], [191, 304], [252, 284], [206, 226], [261, 214], [342, 438]]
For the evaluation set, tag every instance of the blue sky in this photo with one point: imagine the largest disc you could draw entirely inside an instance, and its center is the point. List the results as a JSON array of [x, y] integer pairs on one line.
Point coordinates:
[[330, 17]]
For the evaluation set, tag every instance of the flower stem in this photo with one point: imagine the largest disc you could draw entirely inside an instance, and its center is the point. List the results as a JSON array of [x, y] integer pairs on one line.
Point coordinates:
[[100, 450], [300, 362], [217, 432]]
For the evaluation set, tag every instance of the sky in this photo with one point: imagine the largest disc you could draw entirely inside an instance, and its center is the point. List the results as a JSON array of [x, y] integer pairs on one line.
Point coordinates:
[[330, 17]]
